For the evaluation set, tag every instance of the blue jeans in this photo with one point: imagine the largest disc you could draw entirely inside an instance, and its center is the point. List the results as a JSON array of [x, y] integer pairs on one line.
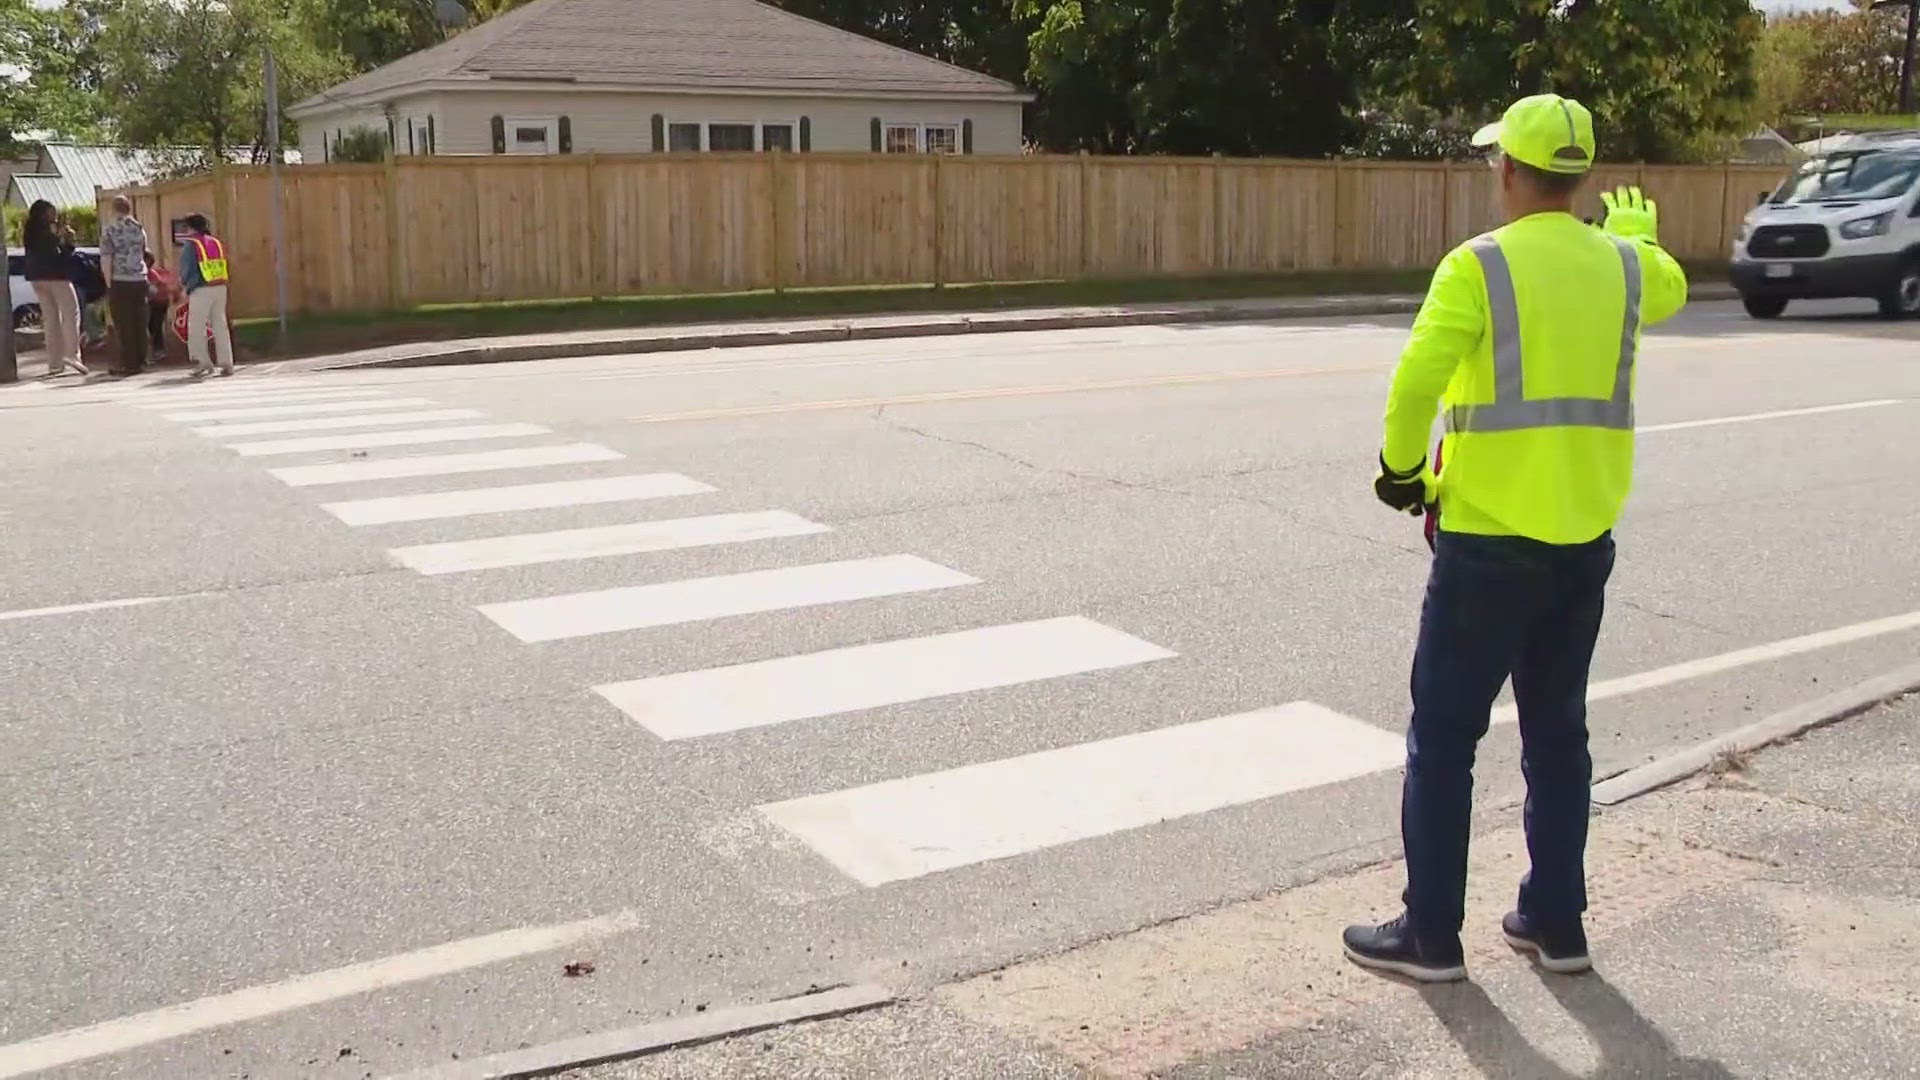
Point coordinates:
[[1500, 606]]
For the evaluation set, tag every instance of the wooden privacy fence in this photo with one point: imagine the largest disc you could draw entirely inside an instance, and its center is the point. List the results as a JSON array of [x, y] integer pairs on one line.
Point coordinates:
[[460, 229]]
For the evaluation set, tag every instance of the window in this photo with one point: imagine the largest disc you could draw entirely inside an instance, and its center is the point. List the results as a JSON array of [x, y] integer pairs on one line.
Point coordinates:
[[942, 139], [722, 137], [902, 139], [682, 138], [420, 135], [921, 138], [531, 136]]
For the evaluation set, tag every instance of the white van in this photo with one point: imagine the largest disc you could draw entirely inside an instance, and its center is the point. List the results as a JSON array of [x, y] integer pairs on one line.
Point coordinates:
[[1846, 224]]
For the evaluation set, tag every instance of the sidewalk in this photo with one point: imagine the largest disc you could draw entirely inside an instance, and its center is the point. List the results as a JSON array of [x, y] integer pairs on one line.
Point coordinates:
[[684, 337], [1760, 920], [691, 336]]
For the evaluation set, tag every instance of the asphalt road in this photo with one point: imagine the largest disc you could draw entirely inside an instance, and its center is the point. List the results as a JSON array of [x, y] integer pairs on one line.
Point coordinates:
[[340, 799]]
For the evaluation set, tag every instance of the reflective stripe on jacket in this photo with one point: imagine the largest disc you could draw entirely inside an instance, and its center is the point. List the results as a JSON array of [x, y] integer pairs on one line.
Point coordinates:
[[209, 260], [1529, 336]]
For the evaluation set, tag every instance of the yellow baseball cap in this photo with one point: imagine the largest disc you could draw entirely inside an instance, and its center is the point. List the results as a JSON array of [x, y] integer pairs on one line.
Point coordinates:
[[1546, 131]]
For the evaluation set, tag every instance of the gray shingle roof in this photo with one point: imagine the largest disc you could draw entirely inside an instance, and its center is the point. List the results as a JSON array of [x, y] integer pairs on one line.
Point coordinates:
[[683, 45]]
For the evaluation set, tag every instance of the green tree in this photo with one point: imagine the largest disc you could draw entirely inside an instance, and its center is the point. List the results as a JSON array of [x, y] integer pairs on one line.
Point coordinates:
[[1846, 61], [1187, 77], [980, 34], [190, 72], [50, 72], [1666, 79], [370, 33]]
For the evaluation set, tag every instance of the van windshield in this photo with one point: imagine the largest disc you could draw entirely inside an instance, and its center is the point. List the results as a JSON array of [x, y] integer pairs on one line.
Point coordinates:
[[1853, 176]]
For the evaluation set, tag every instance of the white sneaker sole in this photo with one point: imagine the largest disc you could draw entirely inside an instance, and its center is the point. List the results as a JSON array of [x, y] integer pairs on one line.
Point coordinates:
[[1416, 972], [1565, 965]]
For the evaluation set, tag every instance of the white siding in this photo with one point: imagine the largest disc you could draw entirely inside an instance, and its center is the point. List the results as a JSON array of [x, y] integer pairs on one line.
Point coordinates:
[[317, 132], [613, 122]]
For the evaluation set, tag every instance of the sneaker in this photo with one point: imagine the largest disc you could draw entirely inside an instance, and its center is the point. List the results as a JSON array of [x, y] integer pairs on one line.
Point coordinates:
[[225, 371], [1564, 952], [201, 372], [1391, 946]]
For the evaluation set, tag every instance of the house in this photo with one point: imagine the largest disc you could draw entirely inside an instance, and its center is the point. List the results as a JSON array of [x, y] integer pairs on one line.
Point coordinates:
[[67, 174], [1768, 147], [626, 76]]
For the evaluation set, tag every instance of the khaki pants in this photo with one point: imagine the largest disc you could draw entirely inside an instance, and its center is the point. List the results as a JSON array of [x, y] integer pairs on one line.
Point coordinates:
[[128, 302], [207, 311], [60, 318]]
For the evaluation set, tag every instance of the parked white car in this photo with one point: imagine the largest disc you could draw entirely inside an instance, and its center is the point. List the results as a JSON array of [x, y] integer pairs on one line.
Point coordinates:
[[21, 301]]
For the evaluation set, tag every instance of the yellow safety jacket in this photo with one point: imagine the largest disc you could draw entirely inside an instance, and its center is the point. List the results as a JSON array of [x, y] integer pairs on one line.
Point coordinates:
[[1530, 332], [213, 258]]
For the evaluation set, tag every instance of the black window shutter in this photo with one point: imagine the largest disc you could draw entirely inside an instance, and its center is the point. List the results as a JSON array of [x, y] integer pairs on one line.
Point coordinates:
[[659, 133], [499, 135], [566, 135], [806, 134], [393, 139], [411, 149], [966, 136], [873, 130], [430, 134], [326, 146]]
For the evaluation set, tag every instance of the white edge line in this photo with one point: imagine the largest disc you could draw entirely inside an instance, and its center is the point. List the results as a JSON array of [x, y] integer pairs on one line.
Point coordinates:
[[98, 605], [252, 1003], [1781, 414], [1739, 658]]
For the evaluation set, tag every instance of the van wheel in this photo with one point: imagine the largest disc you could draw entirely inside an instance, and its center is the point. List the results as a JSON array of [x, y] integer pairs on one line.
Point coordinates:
[[1903, 300], [1763, 307]]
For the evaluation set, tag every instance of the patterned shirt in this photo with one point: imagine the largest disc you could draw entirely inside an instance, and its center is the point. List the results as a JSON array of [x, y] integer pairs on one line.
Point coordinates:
[[123, 248]]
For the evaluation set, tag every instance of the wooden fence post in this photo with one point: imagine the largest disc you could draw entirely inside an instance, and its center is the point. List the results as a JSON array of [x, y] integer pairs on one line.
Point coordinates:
[[939, 227], [775, 196], [597, 232], [396, 288], [1219, 213], [1341, 210], [1446, 209], [1086, 217]]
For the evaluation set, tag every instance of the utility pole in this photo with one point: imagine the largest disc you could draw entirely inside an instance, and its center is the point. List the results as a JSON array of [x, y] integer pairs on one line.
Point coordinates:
[[1906, 59], [274, 161]]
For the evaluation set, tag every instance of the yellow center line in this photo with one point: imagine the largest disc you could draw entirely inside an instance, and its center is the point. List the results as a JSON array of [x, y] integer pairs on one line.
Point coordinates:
[[999, 392]]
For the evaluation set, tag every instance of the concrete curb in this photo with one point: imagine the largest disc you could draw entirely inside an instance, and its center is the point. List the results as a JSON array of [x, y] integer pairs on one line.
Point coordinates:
[[667, 339], [1820, 712], [608, 1046]]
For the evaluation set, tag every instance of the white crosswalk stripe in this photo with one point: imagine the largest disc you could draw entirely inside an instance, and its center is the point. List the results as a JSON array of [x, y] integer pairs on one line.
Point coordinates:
[[716, 700], [336, 423], [875, 834], [445, 464], [311, 408], [394, 509], [527, 549], [637, 607], [373, 439], [919, 825], [237, 398]]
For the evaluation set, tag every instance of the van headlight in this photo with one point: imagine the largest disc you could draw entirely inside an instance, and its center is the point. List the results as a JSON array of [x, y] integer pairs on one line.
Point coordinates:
[[1861, 228], [1745, 228]]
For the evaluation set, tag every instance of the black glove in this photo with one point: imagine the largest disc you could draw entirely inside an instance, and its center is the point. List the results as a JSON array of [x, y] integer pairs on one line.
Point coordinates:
[[1408, 492]]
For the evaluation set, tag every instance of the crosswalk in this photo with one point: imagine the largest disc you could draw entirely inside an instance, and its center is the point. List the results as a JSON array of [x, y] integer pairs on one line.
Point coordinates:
[[360, 438]]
